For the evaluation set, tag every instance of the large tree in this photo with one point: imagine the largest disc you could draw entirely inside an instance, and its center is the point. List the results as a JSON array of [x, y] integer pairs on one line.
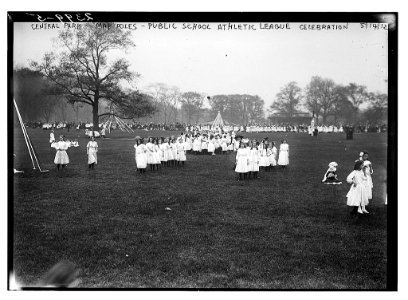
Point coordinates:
[[192, 103], [287, 100], [83, 72], [357, 95], [166, 99]]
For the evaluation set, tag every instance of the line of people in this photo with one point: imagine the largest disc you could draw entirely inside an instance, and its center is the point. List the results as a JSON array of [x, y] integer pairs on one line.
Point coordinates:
[[253, 156], [157, 152]]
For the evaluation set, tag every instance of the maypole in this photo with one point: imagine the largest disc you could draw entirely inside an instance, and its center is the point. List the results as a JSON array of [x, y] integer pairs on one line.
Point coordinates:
[[30, 147]]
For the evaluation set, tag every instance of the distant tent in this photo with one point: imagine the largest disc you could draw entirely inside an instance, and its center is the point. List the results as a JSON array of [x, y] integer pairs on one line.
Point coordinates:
[[218, 122]]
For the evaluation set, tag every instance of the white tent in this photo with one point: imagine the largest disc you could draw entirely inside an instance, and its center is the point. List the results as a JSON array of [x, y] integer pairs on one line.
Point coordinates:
[[218, 122], [114, 121]]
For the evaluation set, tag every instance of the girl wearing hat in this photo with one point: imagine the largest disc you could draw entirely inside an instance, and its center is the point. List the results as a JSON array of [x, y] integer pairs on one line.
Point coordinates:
[[330, 177], [211, 146], [61, 157], [283, 160]]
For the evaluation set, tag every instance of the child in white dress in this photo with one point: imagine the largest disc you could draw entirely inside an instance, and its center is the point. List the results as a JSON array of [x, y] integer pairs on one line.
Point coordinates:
[[181, 152], [242, 161], [61, 157], [91, 151], [274, 157], [150, 154], [254, 160], [368, 170], [357, 197], [140, 156], [156, 154], [211, 146], [283, 160]]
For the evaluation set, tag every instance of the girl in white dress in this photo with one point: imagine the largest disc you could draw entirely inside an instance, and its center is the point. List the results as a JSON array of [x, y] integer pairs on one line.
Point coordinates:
[[196, 145], [61, 157], [357, 195], [162, 152], [274, 157], [91, 150], [283, 160], [52, 137], [181, 152], [150, 154], [173, 147], [170, 156], [140, 156], [242, 161], [224, 144], [156, 154], [211, 146], [254, 160], [204, 145], [263, 157], [368, 170]]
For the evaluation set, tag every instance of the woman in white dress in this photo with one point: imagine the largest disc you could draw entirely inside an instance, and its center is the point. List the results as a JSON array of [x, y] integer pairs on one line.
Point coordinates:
[[61, 157], [140, 156], [242, 161], [274, 157], [91, 151], [368, 170], [357, 197], [283, 160]]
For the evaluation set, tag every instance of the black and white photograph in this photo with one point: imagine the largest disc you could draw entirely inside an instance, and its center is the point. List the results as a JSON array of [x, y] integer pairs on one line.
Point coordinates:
[[220, 151]]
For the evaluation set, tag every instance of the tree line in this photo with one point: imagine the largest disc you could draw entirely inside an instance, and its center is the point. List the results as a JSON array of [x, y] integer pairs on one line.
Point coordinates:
[[80, 73], [326, 99]]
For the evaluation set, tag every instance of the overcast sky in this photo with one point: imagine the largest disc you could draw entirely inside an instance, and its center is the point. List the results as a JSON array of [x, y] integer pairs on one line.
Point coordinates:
[[258, 62]]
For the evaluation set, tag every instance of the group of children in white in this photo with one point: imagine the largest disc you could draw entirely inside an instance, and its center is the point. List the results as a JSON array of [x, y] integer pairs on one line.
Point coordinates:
[[251, 157], [61, 157], [360, 192]]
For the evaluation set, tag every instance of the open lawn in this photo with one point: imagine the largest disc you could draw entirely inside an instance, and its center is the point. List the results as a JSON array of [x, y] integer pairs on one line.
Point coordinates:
[[285, 230]]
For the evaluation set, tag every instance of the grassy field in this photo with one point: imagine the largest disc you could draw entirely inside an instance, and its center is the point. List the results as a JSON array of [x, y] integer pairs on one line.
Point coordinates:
[[285, 230]]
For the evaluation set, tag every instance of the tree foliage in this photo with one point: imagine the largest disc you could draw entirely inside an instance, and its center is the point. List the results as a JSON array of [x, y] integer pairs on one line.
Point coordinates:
[[287, 100], [83, 72]]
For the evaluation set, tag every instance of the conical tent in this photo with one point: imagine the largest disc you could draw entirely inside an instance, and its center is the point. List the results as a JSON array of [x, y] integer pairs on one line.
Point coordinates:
[[218, 122]]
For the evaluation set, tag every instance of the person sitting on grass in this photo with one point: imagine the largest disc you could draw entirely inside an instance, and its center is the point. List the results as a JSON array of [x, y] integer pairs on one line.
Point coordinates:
[[330, 177]]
